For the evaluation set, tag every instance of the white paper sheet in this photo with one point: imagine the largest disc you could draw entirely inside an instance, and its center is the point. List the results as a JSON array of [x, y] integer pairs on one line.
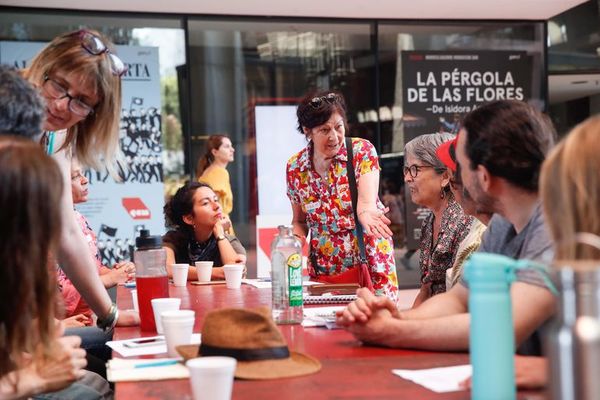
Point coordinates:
[[439, 380], [121, 370], [119, 346], [318, 316]]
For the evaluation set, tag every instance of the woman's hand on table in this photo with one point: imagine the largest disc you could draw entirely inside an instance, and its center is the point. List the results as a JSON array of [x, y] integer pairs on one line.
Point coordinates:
[[128, 318], [122, 272], [375, 223]]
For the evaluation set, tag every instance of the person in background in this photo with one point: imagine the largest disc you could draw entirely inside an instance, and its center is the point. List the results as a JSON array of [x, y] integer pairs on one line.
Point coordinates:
[[79, 76], [446, 152], [212, 170], [35, 359], [319, 191], [500, 151], [77, 312], [198, 235], [444, 228]]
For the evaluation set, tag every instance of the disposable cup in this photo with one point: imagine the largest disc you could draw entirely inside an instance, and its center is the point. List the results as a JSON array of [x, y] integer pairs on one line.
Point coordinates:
[[180, 273], [134, 300], [233, 275], [211, 377], [178, 326], [163, 304], [204, 270]]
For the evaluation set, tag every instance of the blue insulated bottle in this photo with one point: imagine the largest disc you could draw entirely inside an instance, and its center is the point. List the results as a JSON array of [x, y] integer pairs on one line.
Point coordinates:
[[492, 338]]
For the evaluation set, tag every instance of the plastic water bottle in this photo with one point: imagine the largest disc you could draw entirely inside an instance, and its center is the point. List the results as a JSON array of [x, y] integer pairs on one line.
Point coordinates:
[[492, 337], [150, 276], [286, 277]]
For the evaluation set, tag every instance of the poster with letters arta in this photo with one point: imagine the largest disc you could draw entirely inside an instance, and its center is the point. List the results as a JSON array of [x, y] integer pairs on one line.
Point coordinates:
[[439, 87], [115, 210]]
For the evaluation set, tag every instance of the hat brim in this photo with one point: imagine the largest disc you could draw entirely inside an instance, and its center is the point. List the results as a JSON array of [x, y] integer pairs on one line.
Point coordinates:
[[297, 364]]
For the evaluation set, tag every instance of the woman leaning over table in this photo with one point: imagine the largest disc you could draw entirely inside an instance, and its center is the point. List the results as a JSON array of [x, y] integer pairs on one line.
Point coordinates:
[[79, 76], [317, 185], [446, 225]]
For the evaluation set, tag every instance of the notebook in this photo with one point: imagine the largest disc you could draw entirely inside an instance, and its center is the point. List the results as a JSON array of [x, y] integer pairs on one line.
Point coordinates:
[[331, 299]]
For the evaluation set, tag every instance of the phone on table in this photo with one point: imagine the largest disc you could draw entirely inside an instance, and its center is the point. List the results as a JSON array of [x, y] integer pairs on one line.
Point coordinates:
[[142, 342]]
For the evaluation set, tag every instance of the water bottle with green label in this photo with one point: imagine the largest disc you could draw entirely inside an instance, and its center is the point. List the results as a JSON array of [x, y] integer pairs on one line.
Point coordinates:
[[286, 277]]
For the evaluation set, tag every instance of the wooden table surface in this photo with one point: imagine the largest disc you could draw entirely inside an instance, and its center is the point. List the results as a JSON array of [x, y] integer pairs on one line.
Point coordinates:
[[350, 369]]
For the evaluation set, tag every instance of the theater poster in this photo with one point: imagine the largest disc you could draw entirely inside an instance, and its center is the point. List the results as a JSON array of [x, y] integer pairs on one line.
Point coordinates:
[[440, 87], [118, 209]]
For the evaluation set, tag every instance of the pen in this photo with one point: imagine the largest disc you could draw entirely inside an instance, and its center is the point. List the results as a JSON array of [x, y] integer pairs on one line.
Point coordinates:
[[156, 364]]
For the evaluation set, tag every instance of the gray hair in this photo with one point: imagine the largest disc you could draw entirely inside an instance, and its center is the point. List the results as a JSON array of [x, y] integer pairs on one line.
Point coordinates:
[[22, 109], [423, 148]]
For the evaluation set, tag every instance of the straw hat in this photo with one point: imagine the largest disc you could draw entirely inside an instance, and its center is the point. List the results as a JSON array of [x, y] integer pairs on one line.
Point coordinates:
[[251, 337]]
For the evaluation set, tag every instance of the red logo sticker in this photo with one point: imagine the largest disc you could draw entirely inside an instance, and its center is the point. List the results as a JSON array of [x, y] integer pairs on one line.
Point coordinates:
[[136, 208]]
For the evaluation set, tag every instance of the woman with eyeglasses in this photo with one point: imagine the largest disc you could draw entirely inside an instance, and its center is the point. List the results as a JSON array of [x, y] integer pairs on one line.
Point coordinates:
[[446, 153], [212, 170], [79, 76], [446, 225], [318, 186]]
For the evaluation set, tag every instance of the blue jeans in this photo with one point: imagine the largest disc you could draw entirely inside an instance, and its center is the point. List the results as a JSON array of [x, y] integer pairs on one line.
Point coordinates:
[[90, 387]]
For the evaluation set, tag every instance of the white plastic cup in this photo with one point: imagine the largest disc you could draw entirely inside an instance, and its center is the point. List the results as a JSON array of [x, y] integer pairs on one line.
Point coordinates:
[[211, 377], [178, 326], [233, 275], [204, 270], [134, 300], [163, 304], [180, 273]]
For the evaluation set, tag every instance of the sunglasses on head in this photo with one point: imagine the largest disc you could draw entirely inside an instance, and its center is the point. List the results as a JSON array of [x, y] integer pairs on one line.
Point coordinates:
[[317, 102], [95, 46]]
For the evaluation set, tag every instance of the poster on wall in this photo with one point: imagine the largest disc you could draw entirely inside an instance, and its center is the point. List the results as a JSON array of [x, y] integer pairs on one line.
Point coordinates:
[[440, 87], [118, 209], [276, 141]]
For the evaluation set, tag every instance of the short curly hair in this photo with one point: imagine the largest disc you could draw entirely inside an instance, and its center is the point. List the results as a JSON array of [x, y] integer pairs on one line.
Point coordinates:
[[22, 109], [182, 204]]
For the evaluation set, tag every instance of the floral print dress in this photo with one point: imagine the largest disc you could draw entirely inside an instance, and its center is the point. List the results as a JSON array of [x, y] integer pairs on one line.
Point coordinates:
[[327, 204]]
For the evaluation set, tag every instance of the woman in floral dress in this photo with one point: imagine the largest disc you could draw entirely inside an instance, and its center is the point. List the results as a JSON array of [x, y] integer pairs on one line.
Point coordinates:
[[317, 185]]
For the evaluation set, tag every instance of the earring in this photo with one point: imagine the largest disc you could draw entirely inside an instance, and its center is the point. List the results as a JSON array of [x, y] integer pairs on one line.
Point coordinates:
[[442, 192]]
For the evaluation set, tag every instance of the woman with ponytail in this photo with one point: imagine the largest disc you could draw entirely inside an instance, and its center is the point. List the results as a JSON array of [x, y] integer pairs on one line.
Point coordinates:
[[212, 170]]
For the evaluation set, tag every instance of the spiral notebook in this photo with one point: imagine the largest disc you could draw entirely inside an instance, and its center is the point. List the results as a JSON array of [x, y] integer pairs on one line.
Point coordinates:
[[330, 299]]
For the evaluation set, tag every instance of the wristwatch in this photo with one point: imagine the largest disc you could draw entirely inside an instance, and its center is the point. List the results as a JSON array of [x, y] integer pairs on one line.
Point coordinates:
[[221, 237]]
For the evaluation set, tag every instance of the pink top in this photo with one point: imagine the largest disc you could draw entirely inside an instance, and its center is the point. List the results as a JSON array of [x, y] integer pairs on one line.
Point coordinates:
[[74, 303]]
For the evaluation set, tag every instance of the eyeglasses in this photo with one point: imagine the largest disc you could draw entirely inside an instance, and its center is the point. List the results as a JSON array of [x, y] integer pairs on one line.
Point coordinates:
[[317, 102], [414, 169], [56, 91], [95, 46]]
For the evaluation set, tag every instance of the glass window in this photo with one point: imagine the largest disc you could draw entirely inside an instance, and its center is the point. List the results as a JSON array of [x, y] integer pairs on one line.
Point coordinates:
[[398, 125], [237, 65]]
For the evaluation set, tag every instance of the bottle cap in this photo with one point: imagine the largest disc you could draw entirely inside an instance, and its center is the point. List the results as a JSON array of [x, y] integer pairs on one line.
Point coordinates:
[[146, 241], [489, 268]]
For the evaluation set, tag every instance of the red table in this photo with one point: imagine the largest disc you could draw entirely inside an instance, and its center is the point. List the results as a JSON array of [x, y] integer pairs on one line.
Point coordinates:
[[350, 370]]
